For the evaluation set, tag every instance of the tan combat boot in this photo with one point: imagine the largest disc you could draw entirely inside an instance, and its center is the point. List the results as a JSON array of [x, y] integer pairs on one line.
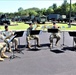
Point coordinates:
[[29, 46], [4, 56], [1, 59]]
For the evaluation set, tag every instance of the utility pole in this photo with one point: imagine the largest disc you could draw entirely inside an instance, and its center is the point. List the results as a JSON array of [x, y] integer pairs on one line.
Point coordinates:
[[70, 16]]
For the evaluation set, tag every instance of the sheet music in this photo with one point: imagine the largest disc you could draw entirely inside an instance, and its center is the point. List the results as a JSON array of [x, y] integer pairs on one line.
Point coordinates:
[[11, 39]]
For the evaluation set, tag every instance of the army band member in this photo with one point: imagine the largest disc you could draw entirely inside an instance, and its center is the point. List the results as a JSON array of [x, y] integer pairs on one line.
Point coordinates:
[[29, 37], [75, 41], [2, 50], [54, 35], [8, 34]]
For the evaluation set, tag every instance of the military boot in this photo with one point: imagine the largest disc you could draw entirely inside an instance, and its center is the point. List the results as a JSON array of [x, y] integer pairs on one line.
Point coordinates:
[[4, 56], [1, 59]]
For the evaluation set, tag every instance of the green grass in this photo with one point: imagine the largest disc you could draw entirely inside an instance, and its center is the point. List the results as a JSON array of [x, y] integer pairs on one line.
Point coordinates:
[[23, 26], [20, 26], [66, 27]]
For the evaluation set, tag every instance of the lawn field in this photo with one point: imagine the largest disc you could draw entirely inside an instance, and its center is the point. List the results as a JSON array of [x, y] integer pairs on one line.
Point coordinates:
[[23, 26]]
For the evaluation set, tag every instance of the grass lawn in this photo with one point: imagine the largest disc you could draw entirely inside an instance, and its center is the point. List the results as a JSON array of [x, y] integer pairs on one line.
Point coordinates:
[[23, 26], [20, 26]]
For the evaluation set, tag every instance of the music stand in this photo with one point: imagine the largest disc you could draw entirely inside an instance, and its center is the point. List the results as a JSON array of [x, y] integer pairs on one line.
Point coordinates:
[[35, 32], [52, 30], [63, 39], [16, 34], [19, 34], [72, 34]]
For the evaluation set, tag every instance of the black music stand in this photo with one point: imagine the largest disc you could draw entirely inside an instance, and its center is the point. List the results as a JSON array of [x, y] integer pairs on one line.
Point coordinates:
[[16, 34], [72, 34], [52, 30], [19, 34], [63, 39], [35, 32]]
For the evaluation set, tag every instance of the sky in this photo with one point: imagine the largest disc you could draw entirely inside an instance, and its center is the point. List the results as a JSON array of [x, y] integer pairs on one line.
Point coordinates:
[[13, 5]]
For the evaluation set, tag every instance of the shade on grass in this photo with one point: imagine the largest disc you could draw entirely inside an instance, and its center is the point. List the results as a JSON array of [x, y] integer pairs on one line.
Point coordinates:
[[23, 26]]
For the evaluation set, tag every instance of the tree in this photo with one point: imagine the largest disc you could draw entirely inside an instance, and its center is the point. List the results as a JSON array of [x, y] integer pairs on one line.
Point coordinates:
[[1, 13], [49, 11], [43, 11], [54, 6], [64, 6], [58, 10], [32, 12]]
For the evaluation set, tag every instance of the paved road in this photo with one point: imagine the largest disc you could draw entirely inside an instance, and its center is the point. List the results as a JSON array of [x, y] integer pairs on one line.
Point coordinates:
[[58, 61]]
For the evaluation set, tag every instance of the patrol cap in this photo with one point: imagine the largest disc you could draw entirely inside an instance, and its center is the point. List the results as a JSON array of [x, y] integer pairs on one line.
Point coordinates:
[[30, 23], [6, 26]]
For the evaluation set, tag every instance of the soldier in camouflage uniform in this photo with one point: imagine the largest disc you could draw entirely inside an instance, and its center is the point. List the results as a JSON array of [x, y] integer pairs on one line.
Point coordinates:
[[2, 49], [54, 35], [8, 34], [75, 41], [29, 37]]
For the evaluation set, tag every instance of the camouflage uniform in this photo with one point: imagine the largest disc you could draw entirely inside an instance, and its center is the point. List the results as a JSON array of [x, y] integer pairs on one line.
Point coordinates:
[[2, 49], [8, 35], [29, 37], [75, 40], [54, 35]]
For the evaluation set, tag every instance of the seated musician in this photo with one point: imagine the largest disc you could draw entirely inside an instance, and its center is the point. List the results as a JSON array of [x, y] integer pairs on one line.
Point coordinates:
[[8, 34], [54, 35], [2, 50], [75, 41], [29, 37]]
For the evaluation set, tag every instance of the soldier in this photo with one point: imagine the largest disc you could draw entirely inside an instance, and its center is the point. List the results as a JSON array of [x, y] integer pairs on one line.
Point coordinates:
[[75, 41], [8, 34], [2, 50], [29, 37], [54, 35]]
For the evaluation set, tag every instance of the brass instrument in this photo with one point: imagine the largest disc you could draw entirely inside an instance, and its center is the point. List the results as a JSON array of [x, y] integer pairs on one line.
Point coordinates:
[[35, 27]]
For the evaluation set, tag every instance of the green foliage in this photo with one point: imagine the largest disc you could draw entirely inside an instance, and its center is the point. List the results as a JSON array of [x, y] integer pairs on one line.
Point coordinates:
[[49, 11], [64, 9], [32, 12], [54, 6]]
